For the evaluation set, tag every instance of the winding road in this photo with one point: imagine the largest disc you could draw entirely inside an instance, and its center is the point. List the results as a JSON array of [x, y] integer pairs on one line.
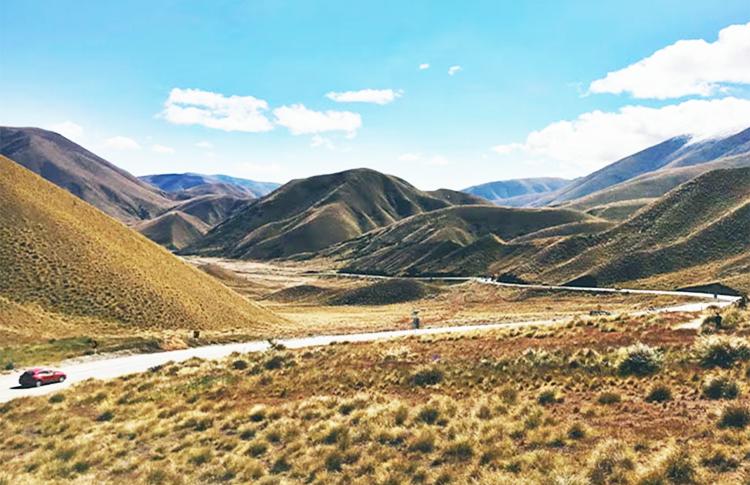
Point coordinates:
[[110, 368]]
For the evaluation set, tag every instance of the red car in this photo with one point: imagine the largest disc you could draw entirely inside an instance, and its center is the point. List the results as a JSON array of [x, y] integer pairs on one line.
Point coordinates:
[[39, 377]]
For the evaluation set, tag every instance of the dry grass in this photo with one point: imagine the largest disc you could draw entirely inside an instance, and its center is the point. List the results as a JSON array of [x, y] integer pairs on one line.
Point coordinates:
[[421, 410], [62, 259]]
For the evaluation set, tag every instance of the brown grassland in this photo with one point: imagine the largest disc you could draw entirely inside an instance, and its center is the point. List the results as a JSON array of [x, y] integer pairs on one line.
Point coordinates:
[[597, 400]]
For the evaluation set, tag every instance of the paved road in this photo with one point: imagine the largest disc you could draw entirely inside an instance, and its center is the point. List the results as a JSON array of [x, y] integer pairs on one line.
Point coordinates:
[[120, 366]]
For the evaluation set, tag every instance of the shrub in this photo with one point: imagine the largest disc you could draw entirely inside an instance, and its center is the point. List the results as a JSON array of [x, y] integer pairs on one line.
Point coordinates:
[[459, 451], [334, 460], [608, 398], [429, 414], [239, 365], [10, 366], [639, 360], [734, 417], [56, 398], [275, 362], [256, 448], [720, 460], [201, 456], [548, 397], [576, 431], [428, 376], [105, 416], [721, 388], [257, 414], [675, 465], [659, 393], [611, 462], [424, 442], [721, 351]]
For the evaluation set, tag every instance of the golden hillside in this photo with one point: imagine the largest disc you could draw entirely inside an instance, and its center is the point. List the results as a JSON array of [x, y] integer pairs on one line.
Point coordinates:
[[60, 256]]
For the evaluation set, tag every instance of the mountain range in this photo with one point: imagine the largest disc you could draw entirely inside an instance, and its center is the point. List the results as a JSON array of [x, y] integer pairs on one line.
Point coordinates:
[[662, 204]]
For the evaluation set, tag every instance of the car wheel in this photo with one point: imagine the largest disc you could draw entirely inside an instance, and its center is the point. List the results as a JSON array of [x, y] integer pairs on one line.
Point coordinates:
[[38, 383], [62, 379]]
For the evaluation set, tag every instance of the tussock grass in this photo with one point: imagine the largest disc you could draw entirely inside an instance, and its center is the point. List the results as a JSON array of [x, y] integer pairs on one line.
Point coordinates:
[[483, 422]]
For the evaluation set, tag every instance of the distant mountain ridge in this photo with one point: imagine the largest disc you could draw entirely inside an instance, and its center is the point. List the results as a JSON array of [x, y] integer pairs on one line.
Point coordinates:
[[676, 152], [178, 182], [516, 191], [82, 173]]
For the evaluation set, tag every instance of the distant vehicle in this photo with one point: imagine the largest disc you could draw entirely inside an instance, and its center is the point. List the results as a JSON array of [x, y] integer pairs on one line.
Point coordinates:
[[39, 377]]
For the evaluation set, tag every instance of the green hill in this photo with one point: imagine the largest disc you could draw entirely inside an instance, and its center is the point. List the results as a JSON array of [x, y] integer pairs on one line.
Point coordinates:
[[173, 230], [457, 240], [63, 260], [702, 224], [308, 215]]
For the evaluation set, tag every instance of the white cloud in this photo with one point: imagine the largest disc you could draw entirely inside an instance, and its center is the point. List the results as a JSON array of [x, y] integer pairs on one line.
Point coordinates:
[[214, 110], [300, 120], [508, 148], [453, 70], [375, 96], [162, 149], [121, 143], [437, 161], [253, 169], [409, 157], [428, 161], [687, 67], [205, 145], [424, 66], [598, 137], [320, 141], [68, 129]]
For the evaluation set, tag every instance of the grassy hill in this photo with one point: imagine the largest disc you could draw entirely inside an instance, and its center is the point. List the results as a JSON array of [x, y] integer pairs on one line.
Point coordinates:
[[173, 230], [703, 223], [82, 173], [460, 240], [308, 215], [62, 259], [212, 209]]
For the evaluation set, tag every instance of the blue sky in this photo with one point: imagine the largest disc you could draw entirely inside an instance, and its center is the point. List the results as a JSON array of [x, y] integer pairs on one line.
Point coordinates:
[[149, 84]]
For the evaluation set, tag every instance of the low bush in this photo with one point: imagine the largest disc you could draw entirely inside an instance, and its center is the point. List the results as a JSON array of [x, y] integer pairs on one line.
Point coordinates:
[[737, 417], [721, 388], [721, 351], [428, 376], [577, 431], [428, 414], [459, 451], [548, 397], [608, 398], [659, 393], [105, 416], [611, 462], [239, 365], [639, 360], [674, 465]]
